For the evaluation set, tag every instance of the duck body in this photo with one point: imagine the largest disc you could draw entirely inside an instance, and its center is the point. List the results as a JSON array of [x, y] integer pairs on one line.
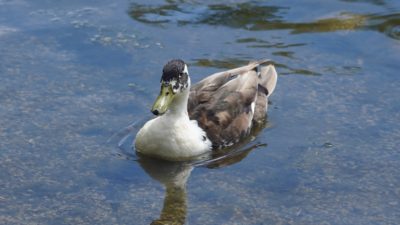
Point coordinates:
[[172, 136], [216, 112]]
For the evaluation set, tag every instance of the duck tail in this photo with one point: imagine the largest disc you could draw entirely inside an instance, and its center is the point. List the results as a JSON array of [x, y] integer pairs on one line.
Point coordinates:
[[267, 76]]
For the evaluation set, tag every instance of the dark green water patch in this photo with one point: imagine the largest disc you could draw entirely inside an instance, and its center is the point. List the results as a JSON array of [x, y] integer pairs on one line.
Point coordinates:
[[228, 63], [258, 16], [375, 2], [259, 43]]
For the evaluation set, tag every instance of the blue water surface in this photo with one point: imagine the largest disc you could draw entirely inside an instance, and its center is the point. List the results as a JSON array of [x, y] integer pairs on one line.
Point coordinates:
[[75, 75]]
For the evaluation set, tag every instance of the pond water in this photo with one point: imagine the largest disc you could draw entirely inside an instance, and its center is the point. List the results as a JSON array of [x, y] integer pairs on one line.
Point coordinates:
[[74, 75]]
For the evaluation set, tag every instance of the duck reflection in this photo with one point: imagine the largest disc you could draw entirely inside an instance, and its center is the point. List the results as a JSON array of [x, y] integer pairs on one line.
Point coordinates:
[[174, 176]]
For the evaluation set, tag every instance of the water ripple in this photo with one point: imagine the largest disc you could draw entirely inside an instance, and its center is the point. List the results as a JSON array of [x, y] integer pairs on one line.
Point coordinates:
[[393, 32], [258, 16]]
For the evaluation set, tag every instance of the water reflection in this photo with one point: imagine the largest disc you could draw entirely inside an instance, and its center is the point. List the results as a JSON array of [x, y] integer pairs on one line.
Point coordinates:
[[388, 24], [258, 16], [174, 176], [259, 43], [229, 63], [375, 2]]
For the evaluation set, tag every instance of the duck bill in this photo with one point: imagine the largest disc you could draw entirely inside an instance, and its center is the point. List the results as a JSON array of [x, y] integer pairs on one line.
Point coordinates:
[[163, 101]]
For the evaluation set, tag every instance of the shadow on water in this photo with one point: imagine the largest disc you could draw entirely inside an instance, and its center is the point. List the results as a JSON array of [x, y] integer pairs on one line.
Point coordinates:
[[174, 175], [256, 16]]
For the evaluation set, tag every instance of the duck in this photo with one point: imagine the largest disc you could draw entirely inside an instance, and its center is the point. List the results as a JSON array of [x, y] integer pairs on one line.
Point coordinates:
[[215, 113]]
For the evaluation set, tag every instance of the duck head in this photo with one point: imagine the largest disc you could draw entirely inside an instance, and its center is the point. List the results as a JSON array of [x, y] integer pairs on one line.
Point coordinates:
[[175, 81]]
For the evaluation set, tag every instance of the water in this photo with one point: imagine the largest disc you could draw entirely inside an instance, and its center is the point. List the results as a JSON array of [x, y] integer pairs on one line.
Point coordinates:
[[75, 73]]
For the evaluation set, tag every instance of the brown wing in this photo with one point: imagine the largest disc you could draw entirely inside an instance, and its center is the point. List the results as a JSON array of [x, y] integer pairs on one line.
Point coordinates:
[[222, 103]]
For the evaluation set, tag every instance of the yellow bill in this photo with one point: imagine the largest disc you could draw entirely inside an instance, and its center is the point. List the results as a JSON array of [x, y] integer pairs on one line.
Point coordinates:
[[163, 101]]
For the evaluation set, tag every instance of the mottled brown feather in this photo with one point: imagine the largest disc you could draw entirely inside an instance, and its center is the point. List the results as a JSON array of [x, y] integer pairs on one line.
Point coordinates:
[[221, 103]]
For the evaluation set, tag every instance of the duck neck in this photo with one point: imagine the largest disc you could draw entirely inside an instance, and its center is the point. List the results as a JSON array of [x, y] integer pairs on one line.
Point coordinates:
[[178, 106]]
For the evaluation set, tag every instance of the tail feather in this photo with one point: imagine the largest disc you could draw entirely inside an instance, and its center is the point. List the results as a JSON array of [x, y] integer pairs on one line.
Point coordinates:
[[267, 75], [266, 86], [268, 78]]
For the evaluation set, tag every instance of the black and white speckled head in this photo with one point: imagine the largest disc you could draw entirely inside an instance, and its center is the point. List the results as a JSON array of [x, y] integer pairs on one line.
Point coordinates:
[[175, 73]]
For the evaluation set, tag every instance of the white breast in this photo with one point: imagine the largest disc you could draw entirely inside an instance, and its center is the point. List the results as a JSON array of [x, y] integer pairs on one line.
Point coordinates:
[[172, 138]]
